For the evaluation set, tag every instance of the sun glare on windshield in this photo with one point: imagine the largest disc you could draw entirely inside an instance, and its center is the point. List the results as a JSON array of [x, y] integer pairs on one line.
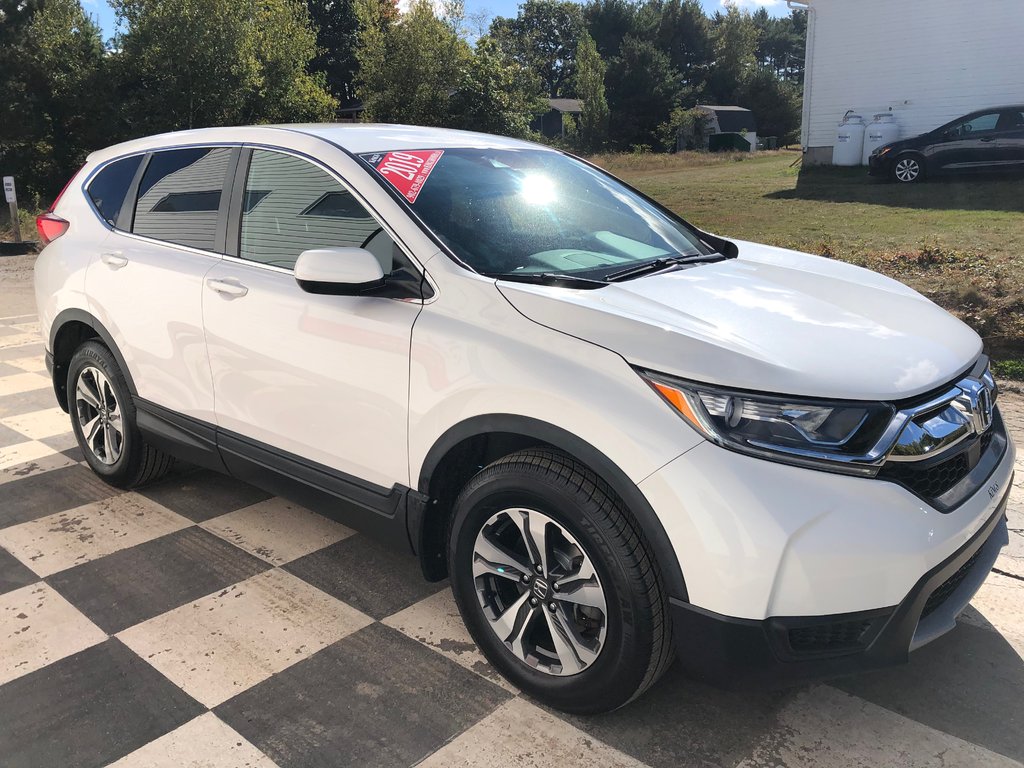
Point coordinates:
[[538, 189]]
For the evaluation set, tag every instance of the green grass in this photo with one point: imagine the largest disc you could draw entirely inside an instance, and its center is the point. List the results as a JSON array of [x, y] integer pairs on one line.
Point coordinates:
[[961, 243]]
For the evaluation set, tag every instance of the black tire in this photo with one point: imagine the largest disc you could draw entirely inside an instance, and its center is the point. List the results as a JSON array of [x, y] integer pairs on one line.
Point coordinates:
[[908, 169], [138, 462], [637, 647]]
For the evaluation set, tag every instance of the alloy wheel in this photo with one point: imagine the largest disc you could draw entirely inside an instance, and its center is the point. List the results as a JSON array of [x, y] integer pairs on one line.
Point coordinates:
[[540, 592], [907, 169], [99, 415]]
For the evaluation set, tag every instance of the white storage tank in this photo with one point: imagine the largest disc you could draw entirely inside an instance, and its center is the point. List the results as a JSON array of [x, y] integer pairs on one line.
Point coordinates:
[[881, 131], [849, 144]]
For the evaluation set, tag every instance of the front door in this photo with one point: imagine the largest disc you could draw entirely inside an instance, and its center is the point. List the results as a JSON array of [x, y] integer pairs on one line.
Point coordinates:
[[324, 378]]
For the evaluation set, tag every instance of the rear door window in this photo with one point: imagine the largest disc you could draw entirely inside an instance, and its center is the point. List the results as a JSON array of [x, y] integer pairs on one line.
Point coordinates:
[[180, 196], [107, 191]]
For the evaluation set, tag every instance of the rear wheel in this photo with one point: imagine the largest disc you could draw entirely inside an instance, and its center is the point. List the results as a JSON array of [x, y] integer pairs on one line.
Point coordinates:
[[103, 419], [908, 169], [554, 581]]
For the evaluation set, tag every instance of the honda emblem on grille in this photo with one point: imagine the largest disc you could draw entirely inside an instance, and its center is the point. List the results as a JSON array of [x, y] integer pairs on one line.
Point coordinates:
[[976, 404]]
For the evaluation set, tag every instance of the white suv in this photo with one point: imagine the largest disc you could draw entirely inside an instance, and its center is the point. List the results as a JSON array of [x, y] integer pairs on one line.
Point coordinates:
[[623, 439]]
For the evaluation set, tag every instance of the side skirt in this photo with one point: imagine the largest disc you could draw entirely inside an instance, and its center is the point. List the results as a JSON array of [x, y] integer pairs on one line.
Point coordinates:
[[372, 509]]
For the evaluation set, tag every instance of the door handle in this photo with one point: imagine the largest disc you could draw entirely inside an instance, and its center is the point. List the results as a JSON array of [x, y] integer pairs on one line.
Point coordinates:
[[987, 139], [113, 260], [223, 287]]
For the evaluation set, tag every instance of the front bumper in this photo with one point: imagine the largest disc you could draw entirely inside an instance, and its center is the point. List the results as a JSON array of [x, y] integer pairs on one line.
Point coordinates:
[[795, 573], [879, 165], [785, 650]]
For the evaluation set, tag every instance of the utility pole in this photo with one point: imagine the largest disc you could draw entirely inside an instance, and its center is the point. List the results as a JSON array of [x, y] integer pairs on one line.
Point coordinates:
[[12, 200]]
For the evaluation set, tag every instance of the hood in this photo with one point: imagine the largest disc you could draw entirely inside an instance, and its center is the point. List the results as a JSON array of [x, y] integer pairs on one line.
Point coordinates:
[[771, 320]]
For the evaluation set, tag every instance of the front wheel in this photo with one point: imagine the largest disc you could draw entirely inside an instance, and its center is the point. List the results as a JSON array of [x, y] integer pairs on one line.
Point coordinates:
[[555, 583], [908, 169]]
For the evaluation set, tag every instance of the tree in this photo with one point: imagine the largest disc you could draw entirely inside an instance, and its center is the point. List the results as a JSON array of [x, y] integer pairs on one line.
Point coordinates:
[[337, 35], [419, 70], [543, 38], [685, 129], [609, 22], [643, 88], [683, 32], [496, 94], [775, 103], [734, 38], [408, 71], [196, 63], [781, 42], [54, 102], [594, 115]]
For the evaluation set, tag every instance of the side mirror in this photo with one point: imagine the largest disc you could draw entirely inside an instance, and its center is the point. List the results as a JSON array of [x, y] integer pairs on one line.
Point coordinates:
[[338, 271]]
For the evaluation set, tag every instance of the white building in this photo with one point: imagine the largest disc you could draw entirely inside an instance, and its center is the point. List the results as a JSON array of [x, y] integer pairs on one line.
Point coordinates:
[[926, 61]]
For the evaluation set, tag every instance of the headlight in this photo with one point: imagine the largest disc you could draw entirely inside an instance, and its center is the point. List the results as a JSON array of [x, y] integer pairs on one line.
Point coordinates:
[[882, 151], [840, 436]]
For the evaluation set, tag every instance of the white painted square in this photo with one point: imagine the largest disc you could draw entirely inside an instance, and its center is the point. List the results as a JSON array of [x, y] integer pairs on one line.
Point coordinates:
[[66, 539], [206, 742], [21, 453], [33, 466], [39, 424], [224, 643], [39, 627], [18, 339], [519, 734], [31, 364], [277, 531]]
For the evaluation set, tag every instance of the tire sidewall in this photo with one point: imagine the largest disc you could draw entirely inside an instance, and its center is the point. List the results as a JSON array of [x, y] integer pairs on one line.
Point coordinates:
[[92, 354], [616, 673]]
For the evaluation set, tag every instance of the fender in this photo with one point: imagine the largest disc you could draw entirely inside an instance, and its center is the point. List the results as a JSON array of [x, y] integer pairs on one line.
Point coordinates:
[[81, 316], [627, 490]]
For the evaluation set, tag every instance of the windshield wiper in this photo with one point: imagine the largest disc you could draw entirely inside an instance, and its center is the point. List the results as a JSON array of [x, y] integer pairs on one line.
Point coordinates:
[[550, 278], [661, 264]]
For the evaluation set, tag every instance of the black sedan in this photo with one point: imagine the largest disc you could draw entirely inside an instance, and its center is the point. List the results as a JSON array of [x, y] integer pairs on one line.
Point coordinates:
[[983, 141]]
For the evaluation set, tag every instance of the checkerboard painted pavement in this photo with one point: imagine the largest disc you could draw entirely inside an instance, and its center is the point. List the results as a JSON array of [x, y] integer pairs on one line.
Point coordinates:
[[202, 622]]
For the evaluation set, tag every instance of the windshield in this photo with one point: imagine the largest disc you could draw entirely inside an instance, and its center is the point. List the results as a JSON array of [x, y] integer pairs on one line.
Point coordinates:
[[517, 212]]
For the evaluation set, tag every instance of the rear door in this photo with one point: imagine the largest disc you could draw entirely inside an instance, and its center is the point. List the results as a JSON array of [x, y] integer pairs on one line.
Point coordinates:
[[146, 287], [1011, 138]]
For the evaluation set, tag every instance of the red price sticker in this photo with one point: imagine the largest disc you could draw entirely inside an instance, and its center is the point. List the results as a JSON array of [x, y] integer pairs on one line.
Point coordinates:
[[406, 171]]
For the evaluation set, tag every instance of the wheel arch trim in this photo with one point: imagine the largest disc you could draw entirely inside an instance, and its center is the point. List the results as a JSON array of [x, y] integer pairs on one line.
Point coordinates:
[[75, 315], [596, 460]]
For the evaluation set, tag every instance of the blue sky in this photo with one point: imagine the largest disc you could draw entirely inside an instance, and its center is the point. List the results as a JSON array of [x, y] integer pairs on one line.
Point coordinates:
[[104, 15]]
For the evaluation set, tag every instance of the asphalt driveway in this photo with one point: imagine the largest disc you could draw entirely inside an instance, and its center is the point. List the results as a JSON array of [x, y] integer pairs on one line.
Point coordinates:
[[201, 621]]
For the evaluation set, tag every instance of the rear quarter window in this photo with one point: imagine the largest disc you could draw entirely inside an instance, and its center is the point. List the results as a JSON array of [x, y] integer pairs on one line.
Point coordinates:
[[108, 190]]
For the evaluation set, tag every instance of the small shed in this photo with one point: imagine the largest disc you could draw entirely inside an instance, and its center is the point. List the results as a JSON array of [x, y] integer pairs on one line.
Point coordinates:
[[735, 120], [551, 123]]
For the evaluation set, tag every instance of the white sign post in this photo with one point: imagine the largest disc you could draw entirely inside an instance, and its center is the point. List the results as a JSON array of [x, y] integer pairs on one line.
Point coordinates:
[[11, 196]]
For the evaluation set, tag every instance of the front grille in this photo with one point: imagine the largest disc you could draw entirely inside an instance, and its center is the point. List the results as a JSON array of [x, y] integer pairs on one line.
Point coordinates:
[[949, 586], [933, 480], [832, 637]]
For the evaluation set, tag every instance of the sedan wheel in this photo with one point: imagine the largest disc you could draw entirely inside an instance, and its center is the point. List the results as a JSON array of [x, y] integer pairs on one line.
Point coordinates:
[[907, 170]]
